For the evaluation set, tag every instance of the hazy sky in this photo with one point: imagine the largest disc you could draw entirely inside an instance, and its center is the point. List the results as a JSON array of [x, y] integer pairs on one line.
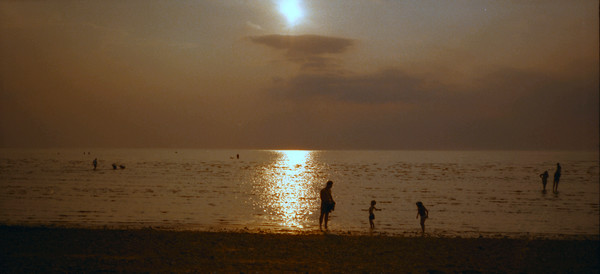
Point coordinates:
[[343, 74]]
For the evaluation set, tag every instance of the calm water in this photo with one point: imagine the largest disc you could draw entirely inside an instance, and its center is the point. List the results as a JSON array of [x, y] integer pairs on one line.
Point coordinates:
[[466, 193]]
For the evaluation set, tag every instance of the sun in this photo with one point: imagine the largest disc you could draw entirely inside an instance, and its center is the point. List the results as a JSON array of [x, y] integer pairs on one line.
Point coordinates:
[[292, 11]]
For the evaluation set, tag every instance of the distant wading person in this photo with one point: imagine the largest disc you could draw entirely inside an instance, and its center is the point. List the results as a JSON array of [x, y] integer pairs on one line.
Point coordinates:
[[556, 178], [327, 204], [95, 163], [544, 177], [424, 213]]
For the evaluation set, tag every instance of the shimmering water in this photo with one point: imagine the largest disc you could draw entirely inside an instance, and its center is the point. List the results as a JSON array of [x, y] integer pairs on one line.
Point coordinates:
[[465, 192]]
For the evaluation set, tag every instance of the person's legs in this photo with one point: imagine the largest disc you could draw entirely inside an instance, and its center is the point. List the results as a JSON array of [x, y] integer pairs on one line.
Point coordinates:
[[326, 218], [321, 219]]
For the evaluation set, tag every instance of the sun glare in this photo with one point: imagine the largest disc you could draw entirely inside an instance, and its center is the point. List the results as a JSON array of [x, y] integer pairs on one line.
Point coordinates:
[[292, 11], [287, 191]]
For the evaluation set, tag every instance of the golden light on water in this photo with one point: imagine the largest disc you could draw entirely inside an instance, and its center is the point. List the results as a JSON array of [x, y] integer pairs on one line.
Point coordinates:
[[288, 196]]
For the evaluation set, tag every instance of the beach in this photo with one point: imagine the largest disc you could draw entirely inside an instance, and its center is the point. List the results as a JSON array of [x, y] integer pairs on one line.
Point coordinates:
[[207, 211], [59, 249]]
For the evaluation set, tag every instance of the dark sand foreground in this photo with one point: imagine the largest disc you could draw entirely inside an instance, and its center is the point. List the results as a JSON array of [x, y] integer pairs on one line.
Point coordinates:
[[39, 249]]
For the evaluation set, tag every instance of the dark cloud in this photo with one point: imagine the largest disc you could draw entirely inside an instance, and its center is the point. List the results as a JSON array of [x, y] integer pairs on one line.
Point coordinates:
[[503, 109], [312, 52], [304, 44], [388, 86]]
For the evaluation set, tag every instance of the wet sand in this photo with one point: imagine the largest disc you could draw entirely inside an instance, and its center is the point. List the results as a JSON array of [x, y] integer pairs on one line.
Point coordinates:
[[43, 249]]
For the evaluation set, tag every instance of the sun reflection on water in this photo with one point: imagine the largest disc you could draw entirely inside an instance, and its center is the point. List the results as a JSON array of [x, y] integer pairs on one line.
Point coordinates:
[[287, 189]]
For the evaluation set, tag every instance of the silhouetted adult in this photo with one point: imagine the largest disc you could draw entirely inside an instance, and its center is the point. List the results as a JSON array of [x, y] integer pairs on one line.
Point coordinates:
[[95, 162], [544, 177], [327, 204], [556, 178]]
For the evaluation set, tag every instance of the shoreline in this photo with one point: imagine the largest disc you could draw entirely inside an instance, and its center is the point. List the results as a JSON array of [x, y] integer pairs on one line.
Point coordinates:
[[60, 249], [415, 233]]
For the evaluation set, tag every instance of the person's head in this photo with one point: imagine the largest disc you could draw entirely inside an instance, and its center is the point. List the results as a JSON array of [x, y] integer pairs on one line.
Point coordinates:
[[419, 204], [557, 164], [373, 202], [329, 184]]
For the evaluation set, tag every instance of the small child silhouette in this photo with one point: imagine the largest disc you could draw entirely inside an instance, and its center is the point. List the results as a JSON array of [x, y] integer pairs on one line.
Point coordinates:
[[371, 215], [544, 177], [424, 213]]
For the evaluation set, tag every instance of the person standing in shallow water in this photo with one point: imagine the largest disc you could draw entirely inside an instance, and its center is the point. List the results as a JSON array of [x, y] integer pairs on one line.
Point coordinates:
[[557, 174], [424, 213], [544, 177], [327, 204], [95, 163], [371, 214]]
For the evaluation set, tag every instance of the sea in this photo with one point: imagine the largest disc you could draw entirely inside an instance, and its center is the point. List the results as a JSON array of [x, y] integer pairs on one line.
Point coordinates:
[[467, 193]]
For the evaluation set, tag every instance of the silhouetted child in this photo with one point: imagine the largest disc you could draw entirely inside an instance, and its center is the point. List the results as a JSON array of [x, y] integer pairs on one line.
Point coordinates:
[[421, 210], [544, 177], [371, 215]]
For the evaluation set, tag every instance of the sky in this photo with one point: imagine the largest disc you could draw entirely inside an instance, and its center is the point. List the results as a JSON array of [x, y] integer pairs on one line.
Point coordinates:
[[300, 74]]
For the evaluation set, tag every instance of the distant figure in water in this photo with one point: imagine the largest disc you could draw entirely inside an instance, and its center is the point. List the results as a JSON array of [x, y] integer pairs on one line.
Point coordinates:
[[237, 155], [544, 177], [424, 213], [114, 166], [95, 163], [556, 178], [327, 204], [371, 214], [122, 166]]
